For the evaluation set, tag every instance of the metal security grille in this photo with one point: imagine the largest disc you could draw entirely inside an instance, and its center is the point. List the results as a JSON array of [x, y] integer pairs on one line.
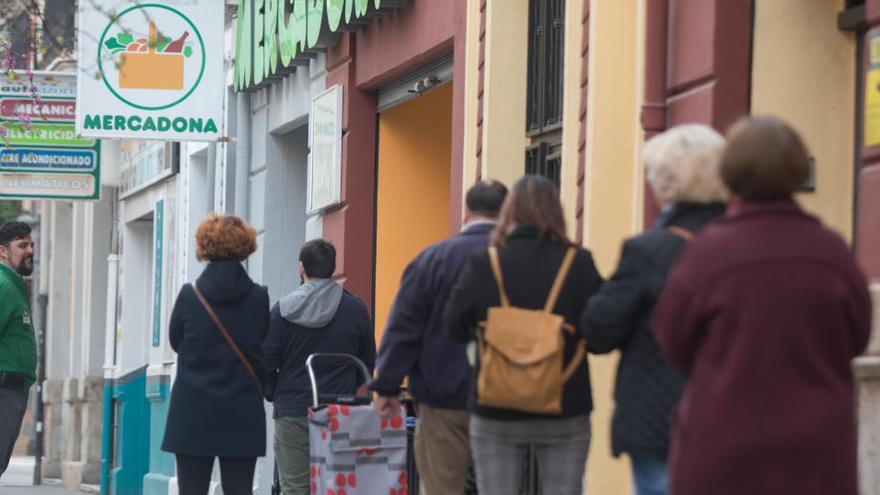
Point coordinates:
[[545, 159], [545, 88], [545, 63]]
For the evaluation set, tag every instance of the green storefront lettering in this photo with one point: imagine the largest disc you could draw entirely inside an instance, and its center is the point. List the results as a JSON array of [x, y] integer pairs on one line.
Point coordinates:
[[270, 34], [92, 122], [138, 123], [242, 72]]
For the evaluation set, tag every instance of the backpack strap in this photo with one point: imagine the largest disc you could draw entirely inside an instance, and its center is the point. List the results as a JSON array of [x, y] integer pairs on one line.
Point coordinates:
[[579, 358], [499, 279], [560, 279], [682, 232]]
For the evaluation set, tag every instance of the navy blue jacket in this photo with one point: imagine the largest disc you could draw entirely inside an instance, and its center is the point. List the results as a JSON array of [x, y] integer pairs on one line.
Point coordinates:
[[216, 407], [414, 343], [288, 345]]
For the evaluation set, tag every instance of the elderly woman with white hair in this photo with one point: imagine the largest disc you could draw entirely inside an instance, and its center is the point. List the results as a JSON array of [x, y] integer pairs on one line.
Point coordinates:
[[682, 169]]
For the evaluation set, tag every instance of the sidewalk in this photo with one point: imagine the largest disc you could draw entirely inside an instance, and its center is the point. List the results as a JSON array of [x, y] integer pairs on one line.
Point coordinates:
[[35, 490], [19, 477]]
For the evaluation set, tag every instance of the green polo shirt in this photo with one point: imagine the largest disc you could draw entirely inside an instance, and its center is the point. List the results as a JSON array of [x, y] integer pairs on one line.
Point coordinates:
[[18, 345]]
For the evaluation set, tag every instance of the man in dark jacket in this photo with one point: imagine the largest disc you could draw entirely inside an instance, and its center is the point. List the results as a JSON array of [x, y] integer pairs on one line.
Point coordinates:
[[319, 316], [18, 348], [414, 345]]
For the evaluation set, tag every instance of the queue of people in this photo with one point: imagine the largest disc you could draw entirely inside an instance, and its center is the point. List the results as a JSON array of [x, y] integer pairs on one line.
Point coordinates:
[[736, 317]]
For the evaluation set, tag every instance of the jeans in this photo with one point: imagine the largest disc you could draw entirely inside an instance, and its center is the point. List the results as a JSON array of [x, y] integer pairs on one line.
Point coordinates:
[[650, 475], [499, 448]]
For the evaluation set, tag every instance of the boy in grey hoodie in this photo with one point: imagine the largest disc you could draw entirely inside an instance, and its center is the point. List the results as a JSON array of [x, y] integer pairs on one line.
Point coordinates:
[[319, 316]]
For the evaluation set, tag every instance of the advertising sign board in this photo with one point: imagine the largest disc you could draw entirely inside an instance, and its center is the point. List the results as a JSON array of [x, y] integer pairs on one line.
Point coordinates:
[[42, 157], [325, 150], [151, 70]]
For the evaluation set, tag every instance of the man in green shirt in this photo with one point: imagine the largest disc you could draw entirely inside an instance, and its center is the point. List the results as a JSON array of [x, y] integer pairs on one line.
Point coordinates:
[[18, 347]]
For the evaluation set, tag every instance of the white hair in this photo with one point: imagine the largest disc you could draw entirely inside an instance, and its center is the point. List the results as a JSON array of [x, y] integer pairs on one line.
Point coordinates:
[[682, 165]]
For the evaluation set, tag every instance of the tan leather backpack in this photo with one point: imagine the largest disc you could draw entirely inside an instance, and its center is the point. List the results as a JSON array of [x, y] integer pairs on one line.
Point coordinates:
[[522, 351]]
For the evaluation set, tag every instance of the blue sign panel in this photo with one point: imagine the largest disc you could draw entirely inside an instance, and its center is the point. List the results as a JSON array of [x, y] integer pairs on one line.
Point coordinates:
[[21, 159], [158, 238]]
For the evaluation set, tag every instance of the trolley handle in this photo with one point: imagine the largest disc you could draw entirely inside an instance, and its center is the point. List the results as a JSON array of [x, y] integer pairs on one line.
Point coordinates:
[[337, 356]]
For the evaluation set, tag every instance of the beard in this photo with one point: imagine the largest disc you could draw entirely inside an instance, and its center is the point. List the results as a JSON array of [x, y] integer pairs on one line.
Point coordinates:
[[26, 267]]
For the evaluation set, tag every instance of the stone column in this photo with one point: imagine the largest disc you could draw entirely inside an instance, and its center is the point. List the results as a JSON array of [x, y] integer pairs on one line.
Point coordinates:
[[91, 424], [70, 464], [54, 436], [867, 374]]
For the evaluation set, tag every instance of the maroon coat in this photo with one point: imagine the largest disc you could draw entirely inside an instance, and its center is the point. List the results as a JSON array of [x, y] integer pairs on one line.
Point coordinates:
[[765, 311]]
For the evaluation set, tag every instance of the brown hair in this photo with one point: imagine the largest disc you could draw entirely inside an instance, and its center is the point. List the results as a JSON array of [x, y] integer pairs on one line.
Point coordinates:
[[225, 237], [533, 200], [764, 159]]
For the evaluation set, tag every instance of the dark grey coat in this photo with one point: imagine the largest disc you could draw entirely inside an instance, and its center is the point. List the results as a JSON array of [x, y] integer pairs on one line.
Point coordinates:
[[216, 407]]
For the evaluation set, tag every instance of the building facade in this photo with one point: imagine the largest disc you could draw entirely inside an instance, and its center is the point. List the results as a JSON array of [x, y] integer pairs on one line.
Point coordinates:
[[629, 70], [364, 126]]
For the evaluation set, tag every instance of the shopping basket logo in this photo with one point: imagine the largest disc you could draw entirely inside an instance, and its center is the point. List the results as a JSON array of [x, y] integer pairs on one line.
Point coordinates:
[[151, 56]]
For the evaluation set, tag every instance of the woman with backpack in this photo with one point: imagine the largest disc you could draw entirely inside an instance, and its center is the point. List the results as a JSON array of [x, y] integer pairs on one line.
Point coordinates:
[[521, 301], [682, 170]]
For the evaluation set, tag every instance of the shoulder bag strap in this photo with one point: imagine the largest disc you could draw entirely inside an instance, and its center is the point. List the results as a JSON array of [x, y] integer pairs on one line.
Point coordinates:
[[499, 279], [219, 324], [560, 279], [682, 232]]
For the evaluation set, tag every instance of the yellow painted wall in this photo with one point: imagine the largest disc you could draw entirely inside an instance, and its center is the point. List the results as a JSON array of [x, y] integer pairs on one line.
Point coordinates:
[[415, 150], [613, 198], [505, 83], [614, 176], [471, 85], [803, 70]]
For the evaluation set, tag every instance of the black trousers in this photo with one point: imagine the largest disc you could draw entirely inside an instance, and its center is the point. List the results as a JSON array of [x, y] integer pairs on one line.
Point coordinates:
[[12, 407], [236, 474]]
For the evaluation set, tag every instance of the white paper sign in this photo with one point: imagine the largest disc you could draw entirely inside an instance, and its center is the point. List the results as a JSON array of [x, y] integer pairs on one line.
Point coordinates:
[[151, 70], [325, 149]]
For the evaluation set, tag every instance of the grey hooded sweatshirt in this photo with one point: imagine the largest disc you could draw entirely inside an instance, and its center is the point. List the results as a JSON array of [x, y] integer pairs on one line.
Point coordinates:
[[319, 316]]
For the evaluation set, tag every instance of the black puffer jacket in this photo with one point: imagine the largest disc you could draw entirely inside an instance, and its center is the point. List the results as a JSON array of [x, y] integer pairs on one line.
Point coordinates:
[[647, 389]]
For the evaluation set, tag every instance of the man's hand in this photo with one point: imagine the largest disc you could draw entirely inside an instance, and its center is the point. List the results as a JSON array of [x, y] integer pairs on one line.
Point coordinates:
[[387, 407]]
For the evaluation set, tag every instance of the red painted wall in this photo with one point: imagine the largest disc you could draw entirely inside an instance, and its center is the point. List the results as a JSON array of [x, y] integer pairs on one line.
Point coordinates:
[[394, 45], [706, 74], [709, 66]]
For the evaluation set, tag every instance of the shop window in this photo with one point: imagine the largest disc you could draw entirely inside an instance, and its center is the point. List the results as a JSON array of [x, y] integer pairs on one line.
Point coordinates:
[[545, 88]]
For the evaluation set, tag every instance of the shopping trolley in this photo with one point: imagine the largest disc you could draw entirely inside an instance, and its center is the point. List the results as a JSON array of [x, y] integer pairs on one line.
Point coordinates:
[[352, 450]]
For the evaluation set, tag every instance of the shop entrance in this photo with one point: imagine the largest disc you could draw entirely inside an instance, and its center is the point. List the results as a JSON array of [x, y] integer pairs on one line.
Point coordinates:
[[412, 188]]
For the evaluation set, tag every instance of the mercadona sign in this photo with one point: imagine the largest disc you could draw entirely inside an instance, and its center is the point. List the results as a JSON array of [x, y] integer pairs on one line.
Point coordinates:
[[151, 70], [42, 157], [272, 35]]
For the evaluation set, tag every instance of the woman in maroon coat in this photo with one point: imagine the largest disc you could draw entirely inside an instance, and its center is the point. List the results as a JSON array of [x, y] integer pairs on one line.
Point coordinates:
[[765, 310]]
